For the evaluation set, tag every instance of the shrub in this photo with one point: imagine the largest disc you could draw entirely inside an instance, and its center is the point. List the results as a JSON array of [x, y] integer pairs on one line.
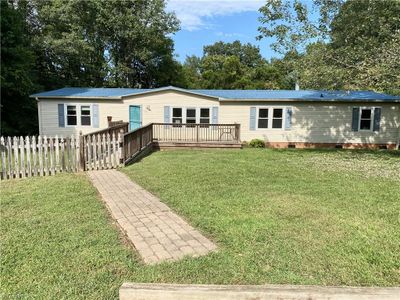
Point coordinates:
[[257, 143]]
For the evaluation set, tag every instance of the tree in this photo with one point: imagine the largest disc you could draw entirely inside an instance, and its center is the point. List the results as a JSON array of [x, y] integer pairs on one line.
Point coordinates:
[[249, 55], [93, 43], [231, 66], [69, 43], [352, 45], [18, 112], [138, 42], [191, 69], [292, 22]]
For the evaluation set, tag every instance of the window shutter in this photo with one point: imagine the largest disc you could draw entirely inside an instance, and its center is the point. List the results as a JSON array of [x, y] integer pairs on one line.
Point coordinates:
[[61, 115], [377, 118], [288, 118], [214, 115], [167, 118], [355, 120], [253, 112], [95, 112]]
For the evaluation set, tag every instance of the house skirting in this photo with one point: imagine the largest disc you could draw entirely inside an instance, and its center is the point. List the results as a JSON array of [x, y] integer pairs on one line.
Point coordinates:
[[329, 145]]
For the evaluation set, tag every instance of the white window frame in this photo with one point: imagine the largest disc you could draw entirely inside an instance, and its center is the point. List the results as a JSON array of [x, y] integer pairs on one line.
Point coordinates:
[[182, 116], [78, 114], [371, 128], [184, 113], [271, 117], [195, 117], [209, 115]]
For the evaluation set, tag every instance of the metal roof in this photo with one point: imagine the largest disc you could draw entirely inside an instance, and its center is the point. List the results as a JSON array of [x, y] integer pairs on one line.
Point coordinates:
[[224, 95]]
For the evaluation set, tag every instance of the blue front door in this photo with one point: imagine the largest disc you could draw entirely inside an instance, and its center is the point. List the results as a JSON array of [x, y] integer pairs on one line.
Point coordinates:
[[135, 120]]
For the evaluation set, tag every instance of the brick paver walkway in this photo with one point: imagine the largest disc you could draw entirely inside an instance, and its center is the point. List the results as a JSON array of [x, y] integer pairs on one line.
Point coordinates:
[[156, 232]]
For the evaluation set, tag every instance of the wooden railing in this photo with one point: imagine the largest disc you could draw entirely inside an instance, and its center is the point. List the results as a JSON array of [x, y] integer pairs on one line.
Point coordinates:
[[104, 149], [115, 129], [141, 140], [196, 133], [136, 142]]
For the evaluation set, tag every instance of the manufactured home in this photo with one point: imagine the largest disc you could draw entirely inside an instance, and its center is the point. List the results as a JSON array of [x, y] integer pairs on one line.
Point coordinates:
[[281, 118]]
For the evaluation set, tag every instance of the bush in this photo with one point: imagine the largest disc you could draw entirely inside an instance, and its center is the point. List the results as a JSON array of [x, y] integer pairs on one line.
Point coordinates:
[[257, 143]]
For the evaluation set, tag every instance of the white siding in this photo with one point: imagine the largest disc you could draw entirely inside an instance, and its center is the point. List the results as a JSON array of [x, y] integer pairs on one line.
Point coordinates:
[[311, 122], [316, 123]]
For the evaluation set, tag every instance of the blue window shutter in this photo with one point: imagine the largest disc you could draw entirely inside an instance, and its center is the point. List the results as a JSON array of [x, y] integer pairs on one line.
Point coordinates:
[[288, 116], [253, 112], [355, 120], [95, 108], [167, 118], [377, 119], [215, 115], [61, 115]]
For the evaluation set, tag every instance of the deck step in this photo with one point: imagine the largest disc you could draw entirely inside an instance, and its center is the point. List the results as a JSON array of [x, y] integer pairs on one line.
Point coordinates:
[[196, 145]]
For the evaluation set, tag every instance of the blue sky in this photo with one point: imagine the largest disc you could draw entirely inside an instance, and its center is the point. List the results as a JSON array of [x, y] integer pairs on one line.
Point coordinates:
[[204, 22]]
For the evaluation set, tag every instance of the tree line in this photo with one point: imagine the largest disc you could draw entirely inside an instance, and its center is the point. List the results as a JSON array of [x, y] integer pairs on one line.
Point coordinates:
[[45, 45]]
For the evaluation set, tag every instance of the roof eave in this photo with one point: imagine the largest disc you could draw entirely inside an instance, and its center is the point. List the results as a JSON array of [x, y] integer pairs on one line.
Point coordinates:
[[309, 100], [76, 97]]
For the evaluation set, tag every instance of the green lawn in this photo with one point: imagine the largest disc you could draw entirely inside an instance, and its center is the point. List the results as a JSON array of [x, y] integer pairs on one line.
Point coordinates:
[[289, 216]]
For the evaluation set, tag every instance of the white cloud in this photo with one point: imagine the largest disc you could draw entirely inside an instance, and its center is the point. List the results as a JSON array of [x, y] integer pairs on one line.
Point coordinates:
[[193, 13], [229, 34]]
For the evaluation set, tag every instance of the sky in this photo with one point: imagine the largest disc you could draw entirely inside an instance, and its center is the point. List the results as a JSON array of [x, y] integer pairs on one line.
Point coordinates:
[[204, 22]]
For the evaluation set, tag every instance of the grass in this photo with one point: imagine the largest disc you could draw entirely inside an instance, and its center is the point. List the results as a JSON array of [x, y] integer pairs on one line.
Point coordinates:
[[299, 217]]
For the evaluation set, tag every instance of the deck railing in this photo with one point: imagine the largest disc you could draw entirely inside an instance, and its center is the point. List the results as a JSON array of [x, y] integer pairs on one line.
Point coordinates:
[[121, 127], [104, 149], [196, 133], [138, 141]]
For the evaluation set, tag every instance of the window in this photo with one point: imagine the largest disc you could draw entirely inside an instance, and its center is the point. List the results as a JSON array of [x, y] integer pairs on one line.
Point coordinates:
[[85, 115], [71, 115], [177, 115], [277, 118], [263, 117], [78, 115], [204, 116], [191, 115], [366, 116], [270, 117]]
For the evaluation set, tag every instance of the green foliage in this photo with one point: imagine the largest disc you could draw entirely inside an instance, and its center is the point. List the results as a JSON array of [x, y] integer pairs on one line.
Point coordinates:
[[257, 143], [354, 45], [291, 23], [91, 43], [140, 49], [18, 112], [232, 66]]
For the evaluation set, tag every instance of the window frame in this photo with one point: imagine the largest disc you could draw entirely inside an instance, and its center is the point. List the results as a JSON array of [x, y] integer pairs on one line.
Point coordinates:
[[183, 113], [90, 115], [258, 118], [209, 115], [371, 127], [271, 117], [198, 112], [195, 115], [78, 114]]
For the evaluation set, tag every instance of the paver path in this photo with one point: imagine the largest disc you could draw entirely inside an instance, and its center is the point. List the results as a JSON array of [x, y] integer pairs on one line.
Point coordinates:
[[156, 232]]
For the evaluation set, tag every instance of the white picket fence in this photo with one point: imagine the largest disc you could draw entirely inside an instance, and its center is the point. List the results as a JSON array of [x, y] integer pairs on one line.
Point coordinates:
[[102, 151], [43, 156]]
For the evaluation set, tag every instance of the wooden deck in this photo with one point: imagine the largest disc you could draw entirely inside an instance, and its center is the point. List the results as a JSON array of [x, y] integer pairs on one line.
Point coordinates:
[[178, 136]]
